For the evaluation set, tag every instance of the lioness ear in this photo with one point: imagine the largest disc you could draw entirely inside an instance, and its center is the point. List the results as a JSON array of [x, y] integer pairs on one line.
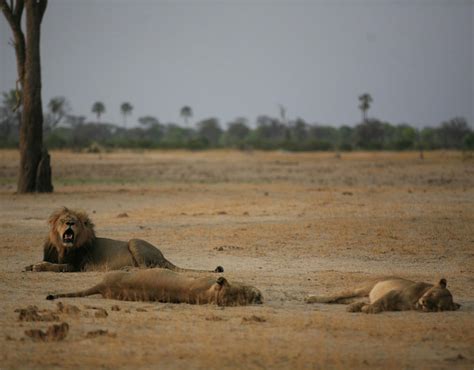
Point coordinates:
[[222, 281], [443, 283]]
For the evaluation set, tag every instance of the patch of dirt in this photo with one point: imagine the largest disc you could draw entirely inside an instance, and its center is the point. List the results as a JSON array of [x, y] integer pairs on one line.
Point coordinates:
[[31, 313], [100, 313], [253, 318], [54, 333], [100, 333], [67, 309], [222, 248], [291, 224]]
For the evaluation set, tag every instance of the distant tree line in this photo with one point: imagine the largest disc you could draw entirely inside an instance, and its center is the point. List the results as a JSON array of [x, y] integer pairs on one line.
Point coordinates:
[[64, 130]]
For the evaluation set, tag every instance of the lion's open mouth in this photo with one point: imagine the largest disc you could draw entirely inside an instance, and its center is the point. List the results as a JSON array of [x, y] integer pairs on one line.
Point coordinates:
[[68, 236]]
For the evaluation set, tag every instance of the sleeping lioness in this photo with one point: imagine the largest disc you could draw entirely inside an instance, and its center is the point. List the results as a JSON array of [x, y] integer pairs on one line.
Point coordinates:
[[72, 245], [167, 286], [394, 294]]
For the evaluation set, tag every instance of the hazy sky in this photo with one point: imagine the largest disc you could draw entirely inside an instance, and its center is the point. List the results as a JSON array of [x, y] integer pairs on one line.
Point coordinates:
[[228, 59]]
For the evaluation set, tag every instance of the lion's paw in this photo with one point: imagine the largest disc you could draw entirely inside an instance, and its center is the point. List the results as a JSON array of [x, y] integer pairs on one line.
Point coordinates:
[[37, 267]]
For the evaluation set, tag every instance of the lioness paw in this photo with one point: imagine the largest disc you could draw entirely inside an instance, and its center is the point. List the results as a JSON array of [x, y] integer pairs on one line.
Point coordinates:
[[356, 307], [371, 309]]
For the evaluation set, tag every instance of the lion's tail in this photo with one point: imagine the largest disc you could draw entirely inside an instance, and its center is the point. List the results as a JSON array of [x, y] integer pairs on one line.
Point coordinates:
[[83, 293], [172, 267], [146, 254]]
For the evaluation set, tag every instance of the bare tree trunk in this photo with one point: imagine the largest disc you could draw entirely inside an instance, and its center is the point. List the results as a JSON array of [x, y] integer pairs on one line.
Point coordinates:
[[35, 168], [31, 130], [43, 174]]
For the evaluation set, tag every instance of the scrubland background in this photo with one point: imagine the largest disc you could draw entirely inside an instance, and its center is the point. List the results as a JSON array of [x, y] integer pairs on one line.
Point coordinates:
[[291, 224]]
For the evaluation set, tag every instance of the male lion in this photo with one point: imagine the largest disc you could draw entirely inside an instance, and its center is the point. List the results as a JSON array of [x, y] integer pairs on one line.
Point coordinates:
[[395, 294], [73, 246], [167, 286]]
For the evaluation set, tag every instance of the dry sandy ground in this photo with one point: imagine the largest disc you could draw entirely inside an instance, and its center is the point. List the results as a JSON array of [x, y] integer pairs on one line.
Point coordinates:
[[290, 224]]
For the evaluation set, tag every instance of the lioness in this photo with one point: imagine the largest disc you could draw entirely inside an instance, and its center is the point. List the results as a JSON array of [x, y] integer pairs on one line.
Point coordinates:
[[395, 294], [72, 246], [167, 286]]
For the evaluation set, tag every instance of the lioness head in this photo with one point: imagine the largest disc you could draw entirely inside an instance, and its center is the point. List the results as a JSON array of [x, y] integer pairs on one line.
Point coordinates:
[[70, 229], [437, 298], [236, 294]]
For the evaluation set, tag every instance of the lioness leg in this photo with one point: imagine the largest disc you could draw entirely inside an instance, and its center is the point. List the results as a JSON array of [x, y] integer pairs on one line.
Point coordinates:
[[97, 289], [343, 297], [388, 302], [365, 307]]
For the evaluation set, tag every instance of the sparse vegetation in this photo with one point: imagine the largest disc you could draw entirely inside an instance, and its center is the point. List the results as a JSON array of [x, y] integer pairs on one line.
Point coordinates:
[[64, 130]]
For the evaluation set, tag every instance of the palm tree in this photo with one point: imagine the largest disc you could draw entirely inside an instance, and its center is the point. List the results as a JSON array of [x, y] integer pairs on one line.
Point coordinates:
[[98, 108], [282, 110], [126, 109], [284, 120], [365, 100], [186, 112], [58, 107]]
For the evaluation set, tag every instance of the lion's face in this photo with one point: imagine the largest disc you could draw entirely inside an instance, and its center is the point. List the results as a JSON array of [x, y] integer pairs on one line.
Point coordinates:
[[69, 229], [437, 298], [236, 294]]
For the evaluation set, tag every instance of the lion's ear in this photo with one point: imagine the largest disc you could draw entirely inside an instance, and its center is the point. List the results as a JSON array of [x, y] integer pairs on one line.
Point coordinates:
[[456, 306], [85, 220], [222, 281], [443, 283], [53, 218]]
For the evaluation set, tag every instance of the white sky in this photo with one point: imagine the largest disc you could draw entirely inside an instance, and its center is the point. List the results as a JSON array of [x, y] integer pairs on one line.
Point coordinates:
[[228, 59]]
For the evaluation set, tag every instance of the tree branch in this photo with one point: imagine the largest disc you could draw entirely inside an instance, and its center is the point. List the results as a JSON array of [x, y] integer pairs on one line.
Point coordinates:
[[14, 20], [20, 5], [7, 12], [42, 8], [13, 13]]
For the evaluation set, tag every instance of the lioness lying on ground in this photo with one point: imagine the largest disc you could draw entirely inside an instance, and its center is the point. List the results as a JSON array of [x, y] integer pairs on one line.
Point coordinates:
[[395, 294], [167, 286], [72, 246]]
